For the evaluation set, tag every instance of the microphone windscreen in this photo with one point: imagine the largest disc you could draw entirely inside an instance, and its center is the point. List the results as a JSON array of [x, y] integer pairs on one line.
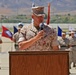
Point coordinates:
[[41, 26]]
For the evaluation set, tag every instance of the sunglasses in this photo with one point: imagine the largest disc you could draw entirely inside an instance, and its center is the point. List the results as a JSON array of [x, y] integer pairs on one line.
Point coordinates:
[[39, 14]]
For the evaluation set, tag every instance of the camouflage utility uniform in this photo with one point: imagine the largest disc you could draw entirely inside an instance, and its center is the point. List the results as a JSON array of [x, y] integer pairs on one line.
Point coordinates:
[[73, 47], [45, 43], [16, 37], [64, 43]]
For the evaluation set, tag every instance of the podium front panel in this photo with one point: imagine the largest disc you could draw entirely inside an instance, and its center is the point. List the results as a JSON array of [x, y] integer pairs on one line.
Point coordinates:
[[39, 63]]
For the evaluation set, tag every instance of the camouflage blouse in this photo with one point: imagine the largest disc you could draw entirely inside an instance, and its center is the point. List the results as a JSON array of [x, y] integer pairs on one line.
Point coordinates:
[[45, 43]]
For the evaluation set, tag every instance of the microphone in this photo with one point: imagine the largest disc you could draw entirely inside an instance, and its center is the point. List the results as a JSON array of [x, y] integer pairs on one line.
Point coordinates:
[[41, 26]]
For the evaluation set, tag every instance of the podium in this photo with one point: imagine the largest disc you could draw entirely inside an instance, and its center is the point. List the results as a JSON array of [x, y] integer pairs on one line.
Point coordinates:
[[38, 63]]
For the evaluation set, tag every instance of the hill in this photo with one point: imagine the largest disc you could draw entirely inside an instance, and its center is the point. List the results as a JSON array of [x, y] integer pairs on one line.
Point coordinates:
[[24, 6]]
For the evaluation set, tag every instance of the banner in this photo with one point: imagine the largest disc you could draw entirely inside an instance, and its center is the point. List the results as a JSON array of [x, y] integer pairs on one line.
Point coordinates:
[[6, 33]]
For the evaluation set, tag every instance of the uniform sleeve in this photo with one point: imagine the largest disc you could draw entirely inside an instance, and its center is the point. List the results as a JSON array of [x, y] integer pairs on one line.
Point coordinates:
[[55, 39], [70, 41], [14, 36], [22, 35]]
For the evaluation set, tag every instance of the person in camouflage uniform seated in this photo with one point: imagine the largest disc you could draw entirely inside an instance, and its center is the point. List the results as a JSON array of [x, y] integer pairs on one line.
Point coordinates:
[[38, 36]]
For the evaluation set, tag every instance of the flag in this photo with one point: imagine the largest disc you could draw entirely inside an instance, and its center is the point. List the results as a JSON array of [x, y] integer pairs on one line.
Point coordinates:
[[48, 17], [59, 31], [15, 29], [6, 33], [71, 28]]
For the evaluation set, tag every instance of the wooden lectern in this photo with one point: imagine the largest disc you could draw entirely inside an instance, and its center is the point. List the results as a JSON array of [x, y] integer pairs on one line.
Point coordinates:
[[39, 63]]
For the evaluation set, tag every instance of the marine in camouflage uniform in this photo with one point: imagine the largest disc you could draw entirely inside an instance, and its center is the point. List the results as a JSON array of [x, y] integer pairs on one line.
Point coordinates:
[[63, 42], [64, 45], [16, 36], [38, 36], [72, 44], [45, 43]]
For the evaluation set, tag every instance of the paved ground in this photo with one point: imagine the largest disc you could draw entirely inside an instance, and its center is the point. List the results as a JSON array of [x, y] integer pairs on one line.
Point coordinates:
[[4, 64], [73, 70]]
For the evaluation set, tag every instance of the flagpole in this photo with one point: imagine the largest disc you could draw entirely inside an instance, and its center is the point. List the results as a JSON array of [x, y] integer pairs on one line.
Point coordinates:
[[48, 15]]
